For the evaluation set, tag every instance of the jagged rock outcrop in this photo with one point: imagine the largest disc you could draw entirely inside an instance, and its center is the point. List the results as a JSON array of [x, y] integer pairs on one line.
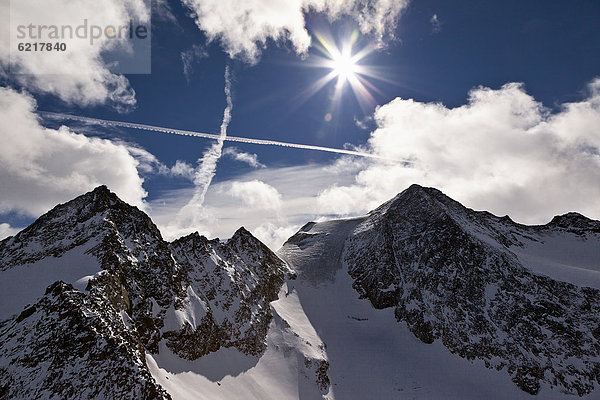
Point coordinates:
[[70, 345], [237, 281]]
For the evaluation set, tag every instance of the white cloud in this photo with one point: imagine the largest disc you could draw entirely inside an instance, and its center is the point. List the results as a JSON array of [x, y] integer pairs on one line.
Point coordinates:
[[191, 57], [293, 191], [502, 151], [40, 167], [436, 24], [236, 154], [245, 27], [149, 164], [256, 194], [274, 235], [182, 169], [6, 230], [77, 75], [162, 10]]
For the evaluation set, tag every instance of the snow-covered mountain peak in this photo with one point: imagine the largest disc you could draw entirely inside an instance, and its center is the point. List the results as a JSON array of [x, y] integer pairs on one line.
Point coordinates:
[[195, 239], [242, 232], [573, 220], [487, 288], [363, 307], [86, 220], [106, 262], [421, 205]]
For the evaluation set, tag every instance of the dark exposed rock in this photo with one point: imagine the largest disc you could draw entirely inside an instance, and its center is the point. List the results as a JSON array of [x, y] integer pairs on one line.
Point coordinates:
[[238, 280], [575, 222], [69, 344]]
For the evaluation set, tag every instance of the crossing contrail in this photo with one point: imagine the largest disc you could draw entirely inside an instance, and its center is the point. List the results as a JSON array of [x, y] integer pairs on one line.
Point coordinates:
[[191, 214], [143, 127]]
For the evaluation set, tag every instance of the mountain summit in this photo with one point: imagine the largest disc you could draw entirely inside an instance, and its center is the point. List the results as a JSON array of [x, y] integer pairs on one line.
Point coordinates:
[[90, 290], [484, 287], [421, 298]]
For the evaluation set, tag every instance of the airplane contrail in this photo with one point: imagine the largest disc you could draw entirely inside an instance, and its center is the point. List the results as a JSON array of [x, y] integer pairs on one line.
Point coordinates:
[[191, 214], [131, 125]]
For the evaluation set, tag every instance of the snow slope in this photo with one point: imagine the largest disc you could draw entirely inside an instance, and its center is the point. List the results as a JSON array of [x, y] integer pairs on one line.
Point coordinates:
[[24, 285], [287, 370], [324, 240], [374, 357], [370, 354], [564, 256]]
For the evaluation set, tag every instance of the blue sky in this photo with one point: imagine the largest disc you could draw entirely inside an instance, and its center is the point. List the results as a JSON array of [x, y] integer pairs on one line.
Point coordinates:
[[440, 53]]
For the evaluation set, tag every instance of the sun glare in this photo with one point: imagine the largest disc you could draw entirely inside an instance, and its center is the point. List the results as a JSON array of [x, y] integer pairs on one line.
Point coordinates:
[[344, 66], [343, 61]]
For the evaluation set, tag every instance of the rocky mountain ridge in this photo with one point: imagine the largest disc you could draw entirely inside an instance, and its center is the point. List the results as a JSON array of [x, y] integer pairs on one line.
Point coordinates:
[[457, 276], [195, 294], [94, 303]]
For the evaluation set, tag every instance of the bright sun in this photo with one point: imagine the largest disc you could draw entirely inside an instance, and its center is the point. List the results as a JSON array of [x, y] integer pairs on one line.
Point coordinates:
[[344, 66]]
